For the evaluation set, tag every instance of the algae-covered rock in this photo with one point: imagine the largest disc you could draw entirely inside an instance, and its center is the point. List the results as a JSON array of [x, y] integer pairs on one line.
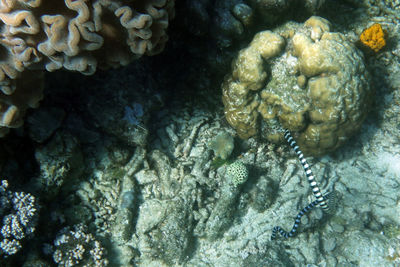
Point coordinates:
[[301, 77], [223, 212], [42, 123], [60, 162], [163, 230], [222, 145]]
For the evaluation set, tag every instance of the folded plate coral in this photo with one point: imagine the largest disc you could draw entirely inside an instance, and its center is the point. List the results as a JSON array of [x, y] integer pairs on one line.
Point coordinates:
[[76, 35], [318, 87]]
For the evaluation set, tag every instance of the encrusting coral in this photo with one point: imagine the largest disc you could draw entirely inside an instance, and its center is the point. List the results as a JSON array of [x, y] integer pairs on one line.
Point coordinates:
[[373, 37], [76, 35], [318, 87]]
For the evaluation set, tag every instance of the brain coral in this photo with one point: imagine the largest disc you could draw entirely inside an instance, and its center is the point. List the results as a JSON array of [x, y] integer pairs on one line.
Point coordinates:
[[76, 35], [301, 77]]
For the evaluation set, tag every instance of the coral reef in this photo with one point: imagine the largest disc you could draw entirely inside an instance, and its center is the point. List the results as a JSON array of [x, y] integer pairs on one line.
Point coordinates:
[[228, 20], [217, 29], [154, 198], [18, 215], [77, 247], [318, 87], [373, 37], [74, 35], [271, 11]]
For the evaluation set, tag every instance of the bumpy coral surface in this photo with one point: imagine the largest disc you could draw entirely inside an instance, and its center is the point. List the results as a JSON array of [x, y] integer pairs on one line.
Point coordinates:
[[78, 248], [318, 87], [76, 35], [238, 172], [373, 37], [18, 217]]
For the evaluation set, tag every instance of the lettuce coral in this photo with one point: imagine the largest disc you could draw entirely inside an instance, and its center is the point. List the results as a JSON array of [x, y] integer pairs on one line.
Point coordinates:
[[76, 35], [318, 87]]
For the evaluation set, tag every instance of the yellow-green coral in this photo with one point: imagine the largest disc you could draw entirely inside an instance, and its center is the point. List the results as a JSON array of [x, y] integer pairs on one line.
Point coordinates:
[[318, 86], [248, 75]]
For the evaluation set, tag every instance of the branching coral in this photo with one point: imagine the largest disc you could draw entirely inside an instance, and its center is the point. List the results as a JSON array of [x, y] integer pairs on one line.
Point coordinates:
[[77, 247], [76, 35], [318, 87], [18, 217]]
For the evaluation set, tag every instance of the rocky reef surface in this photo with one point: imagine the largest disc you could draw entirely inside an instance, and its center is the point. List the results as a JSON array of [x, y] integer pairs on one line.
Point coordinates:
[[138, 166]]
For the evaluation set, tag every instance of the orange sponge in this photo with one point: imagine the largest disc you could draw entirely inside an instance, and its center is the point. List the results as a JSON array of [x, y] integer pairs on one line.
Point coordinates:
[[373, 37]]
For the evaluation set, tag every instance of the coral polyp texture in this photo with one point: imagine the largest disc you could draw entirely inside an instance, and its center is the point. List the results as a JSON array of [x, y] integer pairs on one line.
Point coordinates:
[[18, 218], [76, 35], [301, 77], [373, 37], [77, 247]]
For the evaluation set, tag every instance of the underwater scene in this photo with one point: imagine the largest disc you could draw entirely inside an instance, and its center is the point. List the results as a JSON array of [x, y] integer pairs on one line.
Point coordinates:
[[199, 133]]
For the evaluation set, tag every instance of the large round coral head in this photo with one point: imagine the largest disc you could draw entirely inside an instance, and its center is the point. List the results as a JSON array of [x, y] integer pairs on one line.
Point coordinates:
[[300, 77], [373, 37]]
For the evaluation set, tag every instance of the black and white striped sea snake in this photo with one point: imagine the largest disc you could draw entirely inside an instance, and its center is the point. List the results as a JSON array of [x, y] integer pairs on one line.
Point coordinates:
[[321, 199]]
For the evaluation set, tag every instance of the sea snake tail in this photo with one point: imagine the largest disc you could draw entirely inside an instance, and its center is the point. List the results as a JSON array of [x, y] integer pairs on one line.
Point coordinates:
[[314, 186], [321, 199], [296, 222]]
